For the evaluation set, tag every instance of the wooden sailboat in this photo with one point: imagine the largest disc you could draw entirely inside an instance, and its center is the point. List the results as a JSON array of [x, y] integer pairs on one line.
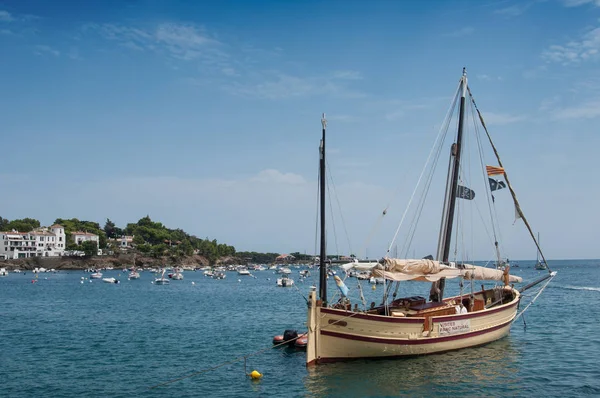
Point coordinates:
[[414, 325]]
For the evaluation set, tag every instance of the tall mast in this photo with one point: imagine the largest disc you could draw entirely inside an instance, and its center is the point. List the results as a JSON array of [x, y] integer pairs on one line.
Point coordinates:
[[323, 252], [451, 200]]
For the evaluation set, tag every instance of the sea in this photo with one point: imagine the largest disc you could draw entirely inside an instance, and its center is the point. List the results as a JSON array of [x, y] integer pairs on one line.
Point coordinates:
[[64, 336]]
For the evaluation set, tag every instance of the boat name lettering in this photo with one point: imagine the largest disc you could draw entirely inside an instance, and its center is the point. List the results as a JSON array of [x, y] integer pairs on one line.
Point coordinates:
[[454, 327], [337, 322]]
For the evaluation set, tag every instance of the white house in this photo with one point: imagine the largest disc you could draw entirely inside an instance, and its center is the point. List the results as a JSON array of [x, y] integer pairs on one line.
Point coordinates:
[[42, 242], [79, 237], [126, 241]]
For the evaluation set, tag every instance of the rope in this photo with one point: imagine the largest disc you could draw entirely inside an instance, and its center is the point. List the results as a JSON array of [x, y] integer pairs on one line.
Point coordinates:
[[337, 199], [435, 144], [535, 298], [238, 359]]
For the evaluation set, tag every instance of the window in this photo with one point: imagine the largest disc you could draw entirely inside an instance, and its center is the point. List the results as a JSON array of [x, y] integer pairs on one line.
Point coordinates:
[[60, 239], [41, 238]]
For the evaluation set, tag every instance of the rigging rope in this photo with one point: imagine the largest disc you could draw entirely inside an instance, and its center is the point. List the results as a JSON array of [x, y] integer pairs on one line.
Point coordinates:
[[435, 144], [337, 251], [436, 148], [337, 199], [497, 236], [536, 296], [512, 192]]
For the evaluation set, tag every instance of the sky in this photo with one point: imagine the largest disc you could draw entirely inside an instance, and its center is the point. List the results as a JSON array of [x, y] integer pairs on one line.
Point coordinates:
[[206, 115]]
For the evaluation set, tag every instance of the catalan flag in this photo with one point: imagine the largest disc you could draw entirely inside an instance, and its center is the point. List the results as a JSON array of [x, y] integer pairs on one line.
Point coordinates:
[[494, 170]]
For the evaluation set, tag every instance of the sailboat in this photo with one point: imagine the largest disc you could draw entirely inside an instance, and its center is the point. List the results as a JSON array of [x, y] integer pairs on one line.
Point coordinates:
[[538, 264], [134, 274], [413, 325], [162, 280]]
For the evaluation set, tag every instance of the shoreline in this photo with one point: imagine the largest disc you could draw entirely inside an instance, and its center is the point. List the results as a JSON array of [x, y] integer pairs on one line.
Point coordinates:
[[115, 261]]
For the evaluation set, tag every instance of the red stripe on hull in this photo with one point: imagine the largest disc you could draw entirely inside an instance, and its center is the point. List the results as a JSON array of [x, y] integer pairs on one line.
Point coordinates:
[[431, 340]]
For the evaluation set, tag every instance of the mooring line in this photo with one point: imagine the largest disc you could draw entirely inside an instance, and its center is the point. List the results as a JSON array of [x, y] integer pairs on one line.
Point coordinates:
[[238, 359]]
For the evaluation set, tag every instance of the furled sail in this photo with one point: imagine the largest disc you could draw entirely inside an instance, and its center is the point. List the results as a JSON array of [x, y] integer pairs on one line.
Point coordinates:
[[396, 269]]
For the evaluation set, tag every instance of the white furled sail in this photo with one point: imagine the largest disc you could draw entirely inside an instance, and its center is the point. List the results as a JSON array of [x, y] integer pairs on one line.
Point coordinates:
[[396, 269]]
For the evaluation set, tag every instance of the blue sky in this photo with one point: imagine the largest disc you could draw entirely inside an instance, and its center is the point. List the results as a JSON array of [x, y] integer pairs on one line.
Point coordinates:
[[206, 115]]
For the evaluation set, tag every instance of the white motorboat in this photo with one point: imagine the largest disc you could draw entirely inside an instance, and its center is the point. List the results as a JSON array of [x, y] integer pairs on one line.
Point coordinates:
[[110, 280], [96, 275], [285, 282]]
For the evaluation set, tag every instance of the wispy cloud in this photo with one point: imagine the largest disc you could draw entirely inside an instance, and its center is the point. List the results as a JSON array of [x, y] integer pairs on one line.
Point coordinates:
[[575, 51], [347, 74], [514, 10], [6, 16], [277, 177], [549, 103], [500, 119], [46, 50], [586, 110], [485, 77], [180, 41], [577, 3], [465, 31], [278, 85], [341, 118]]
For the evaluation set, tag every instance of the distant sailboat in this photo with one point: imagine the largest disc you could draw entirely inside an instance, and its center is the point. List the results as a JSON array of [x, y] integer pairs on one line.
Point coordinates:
[[538, 264], [134, 274], [162, 280]]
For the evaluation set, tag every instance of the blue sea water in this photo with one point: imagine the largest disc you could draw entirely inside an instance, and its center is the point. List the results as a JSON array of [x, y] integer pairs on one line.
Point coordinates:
[[62, 338]]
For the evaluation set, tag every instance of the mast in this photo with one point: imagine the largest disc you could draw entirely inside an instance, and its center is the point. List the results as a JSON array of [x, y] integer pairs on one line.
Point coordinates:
[[323, 251], [437, 292]]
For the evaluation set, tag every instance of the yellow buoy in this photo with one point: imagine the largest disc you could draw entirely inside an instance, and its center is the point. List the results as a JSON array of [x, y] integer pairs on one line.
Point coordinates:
[[373, 287], [255, 375]]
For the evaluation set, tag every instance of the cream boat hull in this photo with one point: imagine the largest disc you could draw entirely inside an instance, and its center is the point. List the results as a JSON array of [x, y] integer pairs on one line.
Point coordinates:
[[336, 335]]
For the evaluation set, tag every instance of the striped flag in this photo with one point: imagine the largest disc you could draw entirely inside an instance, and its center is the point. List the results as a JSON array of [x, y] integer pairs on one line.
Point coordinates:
[[494, 170]]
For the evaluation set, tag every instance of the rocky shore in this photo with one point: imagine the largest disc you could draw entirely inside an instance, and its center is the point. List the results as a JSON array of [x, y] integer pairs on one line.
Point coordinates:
[[115, 261]]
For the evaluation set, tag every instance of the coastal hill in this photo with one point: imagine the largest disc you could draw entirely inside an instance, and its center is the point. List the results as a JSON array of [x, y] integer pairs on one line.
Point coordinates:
[[153, 244]]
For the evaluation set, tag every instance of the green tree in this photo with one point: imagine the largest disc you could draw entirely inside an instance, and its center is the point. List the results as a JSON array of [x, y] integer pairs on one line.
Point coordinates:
[[109, 228], [3, 224], [90, 248], [186, 248], [138, 240], [23, 225]]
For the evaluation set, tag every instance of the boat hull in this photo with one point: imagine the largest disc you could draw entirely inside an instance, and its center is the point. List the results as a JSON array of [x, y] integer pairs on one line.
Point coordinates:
[[345, 335]]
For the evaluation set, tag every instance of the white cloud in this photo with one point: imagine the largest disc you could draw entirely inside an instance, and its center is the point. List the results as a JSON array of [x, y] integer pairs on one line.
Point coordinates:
[[277, 177], [46, 50], [549, 103], [492, 118], [575, 51], [341, 118], [277, 85], [347, 74], [515, 10], [577, 3], [586, 110], [181, 41], [465, 31], [6, 16], [229, 72]]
